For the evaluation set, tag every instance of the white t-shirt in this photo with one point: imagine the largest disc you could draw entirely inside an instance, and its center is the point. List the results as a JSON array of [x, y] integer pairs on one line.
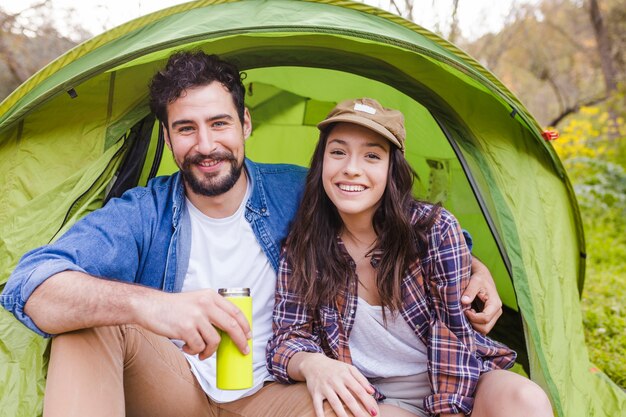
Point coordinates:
[[379, 351], [225, 253]]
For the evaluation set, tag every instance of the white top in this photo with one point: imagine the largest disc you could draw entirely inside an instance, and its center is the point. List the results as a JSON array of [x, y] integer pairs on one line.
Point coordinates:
[[225, 253], [385, 352]]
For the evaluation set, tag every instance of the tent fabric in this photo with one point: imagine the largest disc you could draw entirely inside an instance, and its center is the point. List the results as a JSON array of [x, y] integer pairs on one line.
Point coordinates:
[[66, 137]]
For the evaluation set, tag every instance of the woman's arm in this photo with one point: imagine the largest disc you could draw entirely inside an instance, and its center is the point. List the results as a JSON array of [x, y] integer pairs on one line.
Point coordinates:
[[454, 367], [294, 353], [293, 326]]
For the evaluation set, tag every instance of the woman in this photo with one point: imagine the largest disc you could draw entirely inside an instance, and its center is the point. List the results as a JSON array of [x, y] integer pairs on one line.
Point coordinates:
[[368, 308]]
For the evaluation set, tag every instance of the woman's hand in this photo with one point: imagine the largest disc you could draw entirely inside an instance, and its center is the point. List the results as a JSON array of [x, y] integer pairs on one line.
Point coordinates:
[[336, 382]]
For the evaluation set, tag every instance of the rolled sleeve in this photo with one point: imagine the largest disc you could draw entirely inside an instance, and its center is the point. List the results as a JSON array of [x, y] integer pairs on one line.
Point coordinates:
[[103, 244], [21, 285], [449, 404], [293, 326], [281, 356]]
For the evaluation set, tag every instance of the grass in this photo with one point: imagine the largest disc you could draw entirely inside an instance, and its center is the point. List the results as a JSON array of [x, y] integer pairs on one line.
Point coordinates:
[[604, 295]]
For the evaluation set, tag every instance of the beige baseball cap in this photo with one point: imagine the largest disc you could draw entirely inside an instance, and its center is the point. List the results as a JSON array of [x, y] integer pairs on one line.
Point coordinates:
[[369, 113]]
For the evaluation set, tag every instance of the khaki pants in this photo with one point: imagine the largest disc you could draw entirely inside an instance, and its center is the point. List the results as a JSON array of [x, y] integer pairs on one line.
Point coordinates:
[[129, 371]]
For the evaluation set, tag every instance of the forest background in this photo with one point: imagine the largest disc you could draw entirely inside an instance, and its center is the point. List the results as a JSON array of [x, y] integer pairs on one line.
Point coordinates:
[[564, 59]]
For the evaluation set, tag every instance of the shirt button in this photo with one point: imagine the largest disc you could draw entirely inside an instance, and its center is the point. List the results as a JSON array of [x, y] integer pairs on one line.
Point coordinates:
[[352, 312], [263, 210]]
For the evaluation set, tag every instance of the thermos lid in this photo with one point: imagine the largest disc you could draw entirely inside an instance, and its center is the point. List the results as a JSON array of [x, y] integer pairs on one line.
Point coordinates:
[[234, 292]]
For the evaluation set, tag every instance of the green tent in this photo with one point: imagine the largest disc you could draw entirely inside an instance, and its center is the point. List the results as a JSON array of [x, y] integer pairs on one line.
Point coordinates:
[[79, 132]]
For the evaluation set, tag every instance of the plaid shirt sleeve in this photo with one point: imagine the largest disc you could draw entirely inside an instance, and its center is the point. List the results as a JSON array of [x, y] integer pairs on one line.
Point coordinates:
[[293, 326], [454, 365]]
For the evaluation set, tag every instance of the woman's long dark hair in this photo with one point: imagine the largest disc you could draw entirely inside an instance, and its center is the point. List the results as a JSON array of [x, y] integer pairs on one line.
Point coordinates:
[[320, 270]]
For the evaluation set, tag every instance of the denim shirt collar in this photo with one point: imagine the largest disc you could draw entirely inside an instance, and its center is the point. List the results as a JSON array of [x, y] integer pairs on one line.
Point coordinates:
[[178, 199], [257, 203], [256, 209]]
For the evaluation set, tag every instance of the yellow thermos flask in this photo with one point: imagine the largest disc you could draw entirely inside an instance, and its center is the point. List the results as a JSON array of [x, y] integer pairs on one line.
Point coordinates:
[[234, 369]]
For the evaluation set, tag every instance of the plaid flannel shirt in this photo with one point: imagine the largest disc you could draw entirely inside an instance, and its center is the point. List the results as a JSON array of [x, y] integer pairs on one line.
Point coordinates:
[[431, 292]]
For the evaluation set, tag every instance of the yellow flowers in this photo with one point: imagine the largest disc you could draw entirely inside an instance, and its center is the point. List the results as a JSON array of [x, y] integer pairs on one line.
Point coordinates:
[[592, 133]]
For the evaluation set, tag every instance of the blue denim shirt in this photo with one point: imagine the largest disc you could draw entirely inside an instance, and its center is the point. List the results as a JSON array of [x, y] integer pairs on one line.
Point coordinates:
[[144, 236]]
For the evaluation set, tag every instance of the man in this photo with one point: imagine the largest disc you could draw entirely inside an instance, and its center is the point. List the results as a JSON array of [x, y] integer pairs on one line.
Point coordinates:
[[216, 223]]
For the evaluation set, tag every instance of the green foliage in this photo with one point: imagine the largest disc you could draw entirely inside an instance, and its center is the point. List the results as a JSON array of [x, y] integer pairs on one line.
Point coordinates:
[[604, 295], [600, 188]]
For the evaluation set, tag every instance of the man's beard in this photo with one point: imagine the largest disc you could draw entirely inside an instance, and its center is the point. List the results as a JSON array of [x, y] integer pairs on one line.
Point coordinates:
[[209, 184]]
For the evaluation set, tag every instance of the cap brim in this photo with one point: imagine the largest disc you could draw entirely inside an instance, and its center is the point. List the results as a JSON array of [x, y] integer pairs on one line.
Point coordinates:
[[362, 121]]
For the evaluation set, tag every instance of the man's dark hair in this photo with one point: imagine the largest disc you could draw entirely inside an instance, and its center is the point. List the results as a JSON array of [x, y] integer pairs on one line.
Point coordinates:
[[185, 70]]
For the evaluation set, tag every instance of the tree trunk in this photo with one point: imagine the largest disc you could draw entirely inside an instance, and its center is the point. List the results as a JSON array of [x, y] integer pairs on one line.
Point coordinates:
[[406, 10], [606, 61], [604, 46], [454, 25], [18, 73]]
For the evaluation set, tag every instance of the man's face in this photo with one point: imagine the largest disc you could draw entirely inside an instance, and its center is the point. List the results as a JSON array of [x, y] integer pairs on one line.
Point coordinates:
[[207, 138]]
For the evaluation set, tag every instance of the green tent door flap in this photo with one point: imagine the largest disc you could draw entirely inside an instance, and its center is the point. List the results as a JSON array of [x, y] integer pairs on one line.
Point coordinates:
[[80, 132]]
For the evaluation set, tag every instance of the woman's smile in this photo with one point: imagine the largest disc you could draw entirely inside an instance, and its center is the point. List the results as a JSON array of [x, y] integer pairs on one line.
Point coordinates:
[[355, 170]]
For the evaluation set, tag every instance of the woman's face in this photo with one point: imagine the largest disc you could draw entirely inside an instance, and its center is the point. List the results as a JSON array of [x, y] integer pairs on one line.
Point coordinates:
[[355, 169]]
